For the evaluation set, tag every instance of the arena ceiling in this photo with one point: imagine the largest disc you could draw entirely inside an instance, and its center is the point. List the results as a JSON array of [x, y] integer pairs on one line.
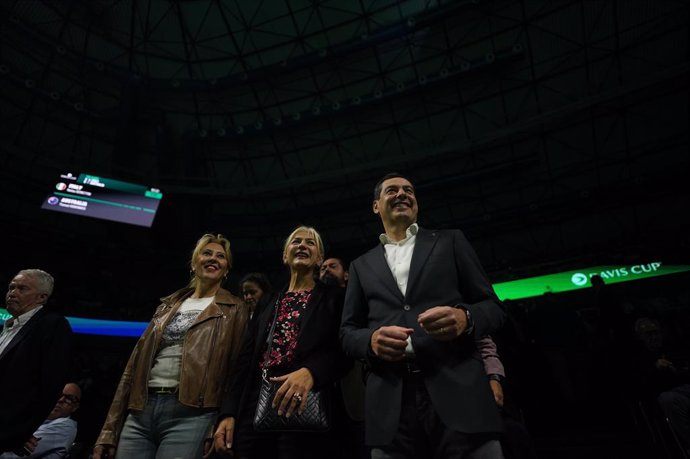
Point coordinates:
[[554, 133]]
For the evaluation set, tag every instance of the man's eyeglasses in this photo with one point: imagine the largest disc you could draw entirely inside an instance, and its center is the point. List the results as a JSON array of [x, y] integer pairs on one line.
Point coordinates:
[[70, 398]]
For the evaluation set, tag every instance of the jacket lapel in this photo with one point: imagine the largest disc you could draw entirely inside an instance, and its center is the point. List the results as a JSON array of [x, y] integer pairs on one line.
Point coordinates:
[[422, 248], [215, 308], [314, 299], [26, 328], [263, 322], [376, 261]]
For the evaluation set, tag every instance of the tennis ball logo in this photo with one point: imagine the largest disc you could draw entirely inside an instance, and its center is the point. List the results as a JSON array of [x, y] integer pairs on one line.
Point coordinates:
[[579, 279]]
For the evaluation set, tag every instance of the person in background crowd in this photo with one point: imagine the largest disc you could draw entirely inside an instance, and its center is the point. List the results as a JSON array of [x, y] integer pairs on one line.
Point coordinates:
[[675, 404], [333, 271], [515, 440], [351, 434], [35, 358], [171, 389], [661, 371], [55, 436], [305, 356], [254, 288]]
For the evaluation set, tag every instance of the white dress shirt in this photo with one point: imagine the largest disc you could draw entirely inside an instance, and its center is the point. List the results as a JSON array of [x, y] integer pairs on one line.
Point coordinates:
[[399, 257], [56, 438]]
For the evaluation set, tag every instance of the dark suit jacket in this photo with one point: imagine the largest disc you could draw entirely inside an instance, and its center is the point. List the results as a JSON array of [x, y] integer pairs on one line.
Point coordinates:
[[317, 349], [444, 270], [34, 369]]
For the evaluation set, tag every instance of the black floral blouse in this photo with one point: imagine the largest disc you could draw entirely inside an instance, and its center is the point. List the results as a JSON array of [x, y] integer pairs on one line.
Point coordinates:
[[290, 309]]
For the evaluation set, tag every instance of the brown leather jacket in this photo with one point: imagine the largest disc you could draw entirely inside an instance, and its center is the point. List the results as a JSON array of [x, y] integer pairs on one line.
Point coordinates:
[[209, 352]]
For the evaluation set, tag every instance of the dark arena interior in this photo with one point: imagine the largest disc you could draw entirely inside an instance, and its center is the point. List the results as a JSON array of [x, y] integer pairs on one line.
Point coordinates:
[[554, 134]]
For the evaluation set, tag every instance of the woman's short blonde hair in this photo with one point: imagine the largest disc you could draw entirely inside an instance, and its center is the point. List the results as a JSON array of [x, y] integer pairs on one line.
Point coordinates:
[[312, 233], [203, 241]]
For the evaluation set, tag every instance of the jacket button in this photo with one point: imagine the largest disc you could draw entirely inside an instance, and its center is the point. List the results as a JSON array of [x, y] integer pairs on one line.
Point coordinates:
[[407, 307]]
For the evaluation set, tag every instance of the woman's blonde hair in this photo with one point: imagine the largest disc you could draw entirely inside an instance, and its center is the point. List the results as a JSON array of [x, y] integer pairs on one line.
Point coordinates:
[[312, 233], [203, 241]]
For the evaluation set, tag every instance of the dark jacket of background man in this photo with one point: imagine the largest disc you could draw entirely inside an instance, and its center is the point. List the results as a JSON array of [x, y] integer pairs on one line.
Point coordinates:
[[34, 368]]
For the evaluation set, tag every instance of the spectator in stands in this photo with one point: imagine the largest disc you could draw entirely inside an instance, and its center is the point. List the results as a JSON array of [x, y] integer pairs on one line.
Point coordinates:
[[334, 272], [256, 290], [675, 403], [515, 440], [660, 369], [662, 373], [35, 358], [55, 436]]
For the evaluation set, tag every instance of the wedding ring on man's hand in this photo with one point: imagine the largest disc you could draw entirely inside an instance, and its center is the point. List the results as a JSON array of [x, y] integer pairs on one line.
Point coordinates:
[[297, 397]]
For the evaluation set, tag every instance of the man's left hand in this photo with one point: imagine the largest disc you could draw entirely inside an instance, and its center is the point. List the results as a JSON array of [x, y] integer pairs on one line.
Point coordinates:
[[443, 323], [28, 448]]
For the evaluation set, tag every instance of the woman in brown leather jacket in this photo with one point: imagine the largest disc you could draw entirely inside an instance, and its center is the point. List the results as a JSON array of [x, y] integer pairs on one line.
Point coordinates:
[[170, 391]]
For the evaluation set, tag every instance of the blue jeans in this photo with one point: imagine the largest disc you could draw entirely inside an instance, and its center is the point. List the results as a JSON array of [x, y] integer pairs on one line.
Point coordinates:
[[165, 429]]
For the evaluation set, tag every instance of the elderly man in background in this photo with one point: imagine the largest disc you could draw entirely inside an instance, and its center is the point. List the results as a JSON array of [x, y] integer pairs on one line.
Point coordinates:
[[35, 356]]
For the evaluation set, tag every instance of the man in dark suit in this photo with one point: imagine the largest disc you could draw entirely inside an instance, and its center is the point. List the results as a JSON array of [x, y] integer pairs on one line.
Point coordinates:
[[34, 358], [413, 307]]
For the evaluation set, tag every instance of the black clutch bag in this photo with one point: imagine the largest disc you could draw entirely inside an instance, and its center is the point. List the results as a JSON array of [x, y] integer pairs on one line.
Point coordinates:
[[314, 418]]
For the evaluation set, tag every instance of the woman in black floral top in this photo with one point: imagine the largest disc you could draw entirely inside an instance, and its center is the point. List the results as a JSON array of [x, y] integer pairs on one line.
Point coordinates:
[[305, 356]]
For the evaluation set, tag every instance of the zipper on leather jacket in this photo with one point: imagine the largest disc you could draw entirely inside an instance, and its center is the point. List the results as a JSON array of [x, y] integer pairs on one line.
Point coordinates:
[[200, 399], [210, 357]]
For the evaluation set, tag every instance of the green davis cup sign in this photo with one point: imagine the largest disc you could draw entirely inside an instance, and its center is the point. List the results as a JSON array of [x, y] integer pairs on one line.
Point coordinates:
[[581, 278]]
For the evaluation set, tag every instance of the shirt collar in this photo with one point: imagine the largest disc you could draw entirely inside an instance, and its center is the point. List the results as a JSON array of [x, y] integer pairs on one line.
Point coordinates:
[[409, 232], [24, 318]]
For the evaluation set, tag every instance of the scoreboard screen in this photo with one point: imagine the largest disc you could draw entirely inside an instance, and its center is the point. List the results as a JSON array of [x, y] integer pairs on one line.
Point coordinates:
[[104, 198]]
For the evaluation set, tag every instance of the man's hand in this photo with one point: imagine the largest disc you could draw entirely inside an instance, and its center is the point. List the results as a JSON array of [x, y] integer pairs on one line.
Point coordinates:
[[222, 438], [497, 389], [443, 323], [292, 394], [389, 343], [103, 451], [28, 447]]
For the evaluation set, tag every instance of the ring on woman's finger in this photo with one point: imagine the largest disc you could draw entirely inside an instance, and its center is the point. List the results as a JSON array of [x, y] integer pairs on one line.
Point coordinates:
[[297, 397]]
